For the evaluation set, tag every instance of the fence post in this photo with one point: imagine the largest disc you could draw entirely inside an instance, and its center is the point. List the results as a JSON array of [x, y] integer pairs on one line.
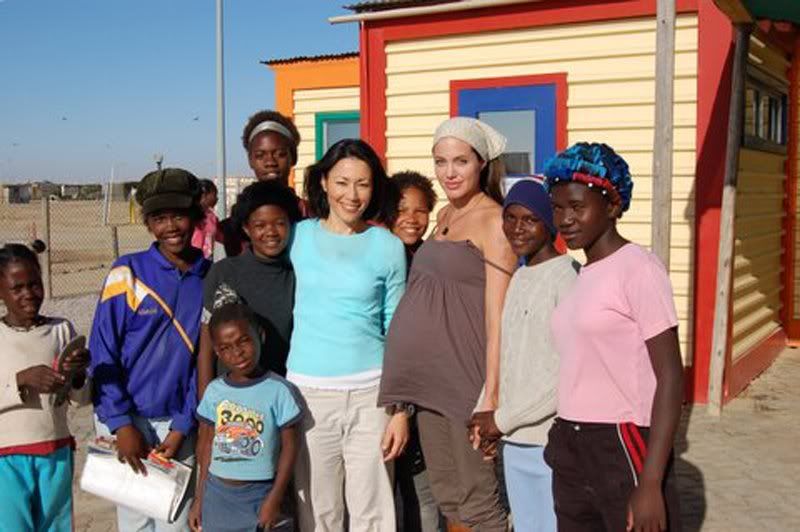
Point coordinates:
[[47, 276], [115, 241]]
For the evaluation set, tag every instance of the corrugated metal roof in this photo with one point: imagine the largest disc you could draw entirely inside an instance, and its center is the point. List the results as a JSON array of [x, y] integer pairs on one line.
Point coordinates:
[[301, 58], [382, 5]]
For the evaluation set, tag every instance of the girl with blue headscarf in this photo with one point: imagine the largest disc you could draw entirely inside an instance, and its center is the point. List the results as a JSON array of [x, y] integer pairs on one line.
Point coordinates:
[[620, 382]]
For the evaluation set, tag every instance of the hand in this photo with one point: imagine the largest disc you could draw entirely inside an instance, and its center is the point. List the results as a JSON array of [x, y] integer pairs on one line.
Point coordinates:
[[485, 423], [77, 361], [131, 448], [268, 513], [196, 515], [171, 444], [489, 449], [484, 434], [396, 436], [40, 379], [646, 512]]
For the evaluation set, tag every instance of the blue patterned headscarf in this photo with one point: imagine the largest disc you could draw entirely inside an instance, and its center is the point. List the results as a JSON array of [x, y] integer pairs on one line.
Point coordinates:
[[595, 165]]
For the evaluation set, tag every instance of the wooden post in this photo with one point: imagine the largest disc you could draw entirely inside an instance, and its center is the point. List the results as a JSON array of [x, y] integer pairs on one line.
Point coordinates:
[[47, 271], [719, 339], [661, 207], [115, 241]]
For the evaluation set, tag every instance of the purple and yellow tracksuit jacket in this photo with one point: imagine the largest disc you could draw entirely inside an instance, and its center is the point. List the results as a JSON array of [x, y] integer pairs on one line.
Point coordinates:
[[144, 338]]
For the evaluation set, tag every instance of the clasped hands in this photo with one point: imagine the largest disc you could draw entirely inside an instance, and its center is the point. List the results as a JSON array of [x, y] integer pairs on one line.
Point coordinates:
[[484, 434]]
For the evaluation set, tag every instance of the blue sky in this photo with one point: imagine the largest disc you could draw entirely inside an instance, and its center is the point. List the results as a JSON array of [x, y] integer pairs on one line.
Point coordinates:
[[87, 84]]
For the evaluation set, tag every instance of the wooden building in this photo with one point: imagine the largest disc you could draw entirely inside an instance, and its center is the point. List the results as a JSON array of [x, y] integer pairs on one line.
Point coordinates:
[[550, 73], [321, 95]]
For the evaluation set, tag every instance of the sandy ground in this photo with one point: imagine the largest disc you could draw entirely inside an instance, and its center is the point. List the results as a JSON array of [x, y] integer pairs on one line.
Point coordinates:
[[736, 473]]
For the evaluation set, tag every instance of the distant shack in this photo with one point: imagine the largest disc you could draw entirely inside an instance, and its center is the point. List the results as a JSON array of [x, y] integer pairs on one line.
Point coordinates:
[[35, 191]]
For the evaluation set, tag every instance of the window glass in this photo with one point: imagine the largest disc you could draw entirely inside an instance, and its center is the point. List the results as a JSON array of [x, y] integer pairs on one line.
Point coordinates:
[[334, 131], [519, 127], [765, 116]]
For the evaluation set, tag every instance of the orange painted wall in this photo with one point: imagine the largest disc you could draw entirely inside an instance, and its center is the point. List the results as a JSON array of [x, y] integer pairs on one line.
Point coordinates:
[[326, 73], [321, 74]]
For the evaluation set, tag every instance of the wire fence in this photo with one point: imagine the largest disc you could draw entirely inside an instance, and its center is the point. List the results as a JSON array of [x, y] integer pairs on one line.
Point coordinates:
[[83, 238]]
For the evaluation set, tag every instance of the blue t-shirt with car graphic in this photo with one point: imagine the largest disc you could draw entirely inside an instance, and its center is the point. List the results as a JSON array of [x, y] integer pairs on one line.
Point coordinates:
[[247, 419]]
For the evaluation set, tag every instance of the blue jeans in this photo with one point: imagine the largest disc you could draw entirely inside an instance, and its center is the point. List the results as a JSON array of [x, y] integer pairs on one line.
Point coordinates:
[[37, 492], [529, 481], [154, 432]]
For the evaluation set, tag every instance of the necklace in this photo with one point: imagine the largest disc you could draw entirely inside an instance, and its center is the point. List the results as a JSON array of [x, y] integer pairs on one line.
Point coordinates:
[[460, 215]]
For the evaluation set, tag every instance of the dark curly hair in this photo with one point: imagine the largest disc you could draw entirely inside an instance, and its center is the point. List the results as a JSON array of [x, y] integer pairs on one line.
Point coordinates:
[[233, 312], [399, 183], [20, 253], [272, 116], [411, 179], [344, 149], [263, 193], [207, 186]]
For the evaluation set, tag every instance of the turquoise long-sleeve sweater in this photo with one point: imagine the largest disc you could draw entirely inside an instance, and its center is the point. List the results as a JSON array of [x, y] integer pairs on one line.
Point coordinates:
[[348, 287]]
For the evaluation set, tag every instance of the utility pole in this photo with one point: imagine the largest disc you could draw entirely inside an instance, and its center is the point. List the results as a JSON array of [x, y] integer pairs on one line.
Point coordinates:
[[222, 208]]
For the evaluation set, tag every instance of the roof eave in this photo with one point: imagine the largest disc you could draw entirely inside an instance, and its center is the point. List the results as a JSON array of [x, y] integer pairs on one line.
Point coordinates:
[[424, 10]]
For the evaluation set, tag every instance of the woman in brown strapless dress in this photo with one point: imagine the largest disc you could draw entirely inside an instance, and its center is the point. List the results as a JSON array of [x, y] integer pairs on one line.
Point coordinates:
[[443, 346]]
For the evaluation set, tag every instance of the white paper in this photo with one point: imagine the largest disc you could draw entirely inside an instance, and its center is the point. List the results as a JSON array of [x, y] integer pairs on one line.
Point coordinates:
[[157, 495]]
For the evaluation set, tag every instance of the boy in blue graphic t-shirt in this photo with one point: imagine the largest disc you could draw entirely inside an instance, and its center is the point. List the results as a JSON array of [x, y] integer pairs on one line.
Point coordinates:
[[247, 442]]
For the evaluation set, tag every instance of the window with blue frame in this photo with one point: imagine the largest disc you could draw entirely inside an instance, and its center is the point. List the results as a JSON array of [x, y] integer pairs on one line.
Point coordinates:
[[332, 127], [525, 114]]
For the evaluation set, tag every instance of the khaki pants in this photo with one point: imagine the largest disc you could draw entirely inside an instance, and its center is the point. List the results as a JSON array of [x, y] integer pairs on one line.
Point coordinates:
[[464, 485], [341, 462]]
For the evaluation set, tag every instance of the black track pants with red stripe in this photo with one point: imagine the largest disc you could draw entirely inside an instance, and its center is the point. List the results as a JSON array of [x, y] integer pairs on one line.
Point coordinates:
[[596, 466]]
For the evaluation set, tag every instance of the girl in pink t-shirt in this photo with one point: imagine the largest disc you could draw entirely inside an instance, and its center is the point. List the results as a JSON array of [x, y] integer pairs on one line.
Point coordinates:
[[621, 377], [205, 232]]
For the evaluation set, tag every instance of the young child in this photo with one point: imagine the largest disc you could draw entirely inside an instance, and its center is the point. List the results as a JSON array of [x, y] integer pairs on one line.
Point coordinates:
[[415, 202], [145, 334], [35, 444], [262, 277], [411, 210], [620, 382], [270, 140], [528, 358], [205, 232], [248, 433]]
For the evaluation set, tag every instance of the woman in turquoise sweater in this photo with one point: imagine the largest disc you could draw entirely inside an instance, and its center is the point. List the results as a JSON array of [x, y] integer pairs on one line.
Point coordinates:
[[350, 278]]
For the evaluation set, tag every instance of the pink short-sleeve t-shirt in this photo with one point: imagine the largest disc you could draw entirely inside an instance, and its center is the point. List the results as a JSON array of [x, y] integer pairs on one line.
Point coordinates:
[[600, 329]]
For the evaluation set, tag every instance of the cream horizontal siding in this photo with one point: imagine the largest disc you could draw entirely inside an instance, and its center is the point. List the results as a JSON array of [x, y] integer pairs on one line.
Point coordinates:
[[758, 229], [757, 266], [610, 69], [307, 103]]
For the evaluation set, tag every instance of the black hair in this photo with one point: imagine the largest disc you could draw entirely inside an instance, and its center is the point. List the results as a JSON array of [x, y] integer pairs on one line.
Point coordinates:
[[207, 186], [21, 253], [233, 312], [410, 179], [399, 183], [262, 193], [344, 149], [269, 115]]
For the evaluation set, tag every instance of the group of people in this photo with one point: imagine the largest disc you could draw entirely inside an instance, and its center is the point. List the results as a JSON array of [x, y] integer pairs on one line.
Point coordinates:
[[340, 372]]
